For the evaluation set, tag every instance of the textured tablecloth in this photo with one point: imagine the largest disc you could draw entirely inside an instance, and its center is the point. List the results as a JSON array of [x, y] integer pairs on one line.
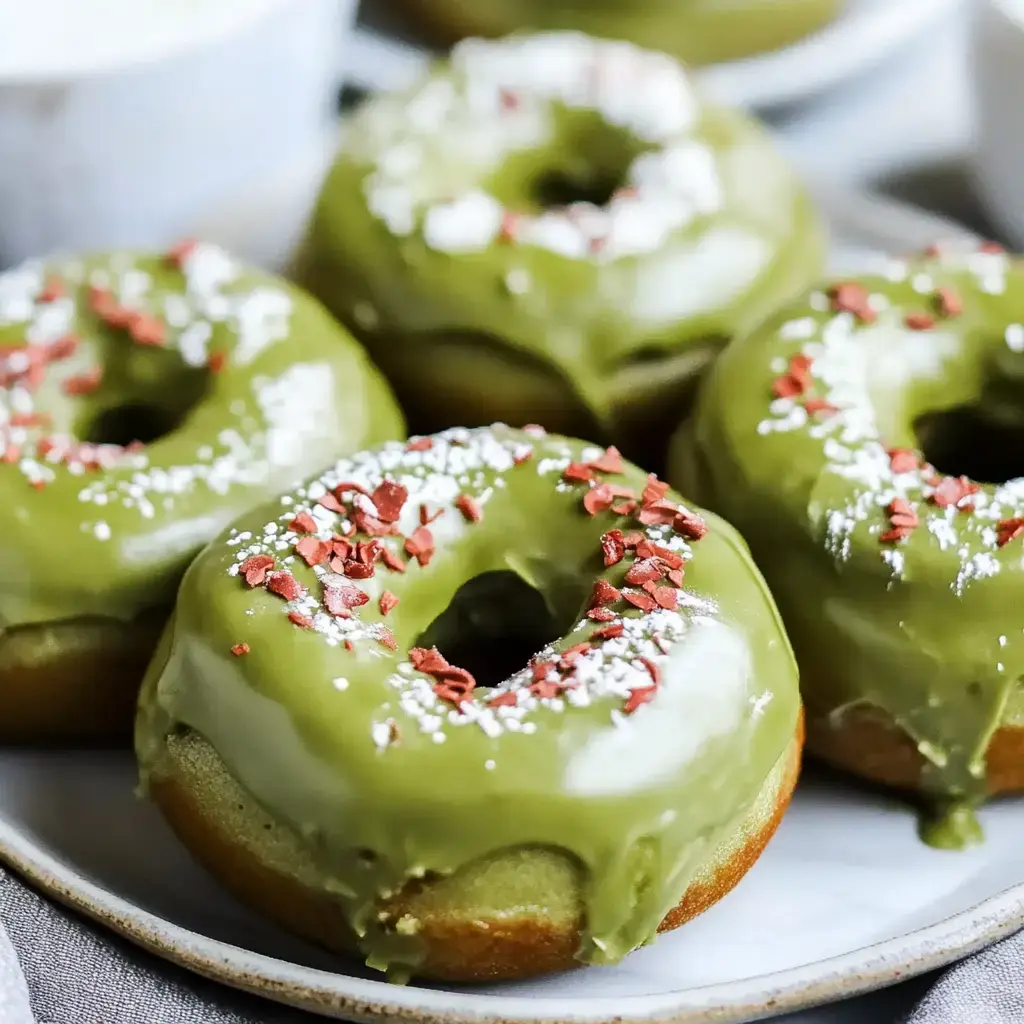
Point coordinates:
[[902, 131]]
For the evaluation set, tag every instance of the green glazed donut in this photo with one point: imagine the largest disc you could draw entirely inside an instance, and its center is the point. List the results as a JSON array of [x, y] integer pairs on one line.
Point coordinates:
[[867, 442], [318, 728], [145, 400], [695, 31], [555, 229]]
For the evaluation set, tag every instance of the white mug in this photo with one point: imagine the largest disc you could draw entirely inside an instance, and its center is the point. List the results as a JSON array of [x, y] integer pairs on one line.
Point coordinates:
[[997, 75], [123, 120]]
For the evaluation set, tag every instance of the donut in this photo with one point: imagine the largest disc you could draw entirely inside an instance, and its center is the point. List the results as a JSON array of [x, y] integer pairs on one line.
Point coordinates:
[[867, 443], [695, 31], [146, 399], [555, 229], [481, 705]]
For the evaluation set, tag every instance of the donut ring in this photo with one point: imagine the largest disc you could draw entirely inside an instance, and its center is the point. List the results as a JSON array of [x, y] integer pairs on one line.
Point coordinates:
[[555, 229], [698, 32], [838, 440], [193, 354], [347, 779]]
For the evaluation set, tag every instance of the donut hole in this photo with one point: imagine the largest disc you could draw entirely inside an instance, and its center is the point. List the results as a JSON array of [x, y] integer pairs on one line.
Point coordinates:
[[160, 410], [589, 163], [962, 441], [560, 188], [494, 624]]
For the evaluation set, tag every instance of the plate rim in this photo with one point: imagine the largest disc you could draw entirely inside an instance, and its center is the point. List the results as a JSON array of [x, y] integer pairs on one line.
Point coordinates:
[[730, 1002]]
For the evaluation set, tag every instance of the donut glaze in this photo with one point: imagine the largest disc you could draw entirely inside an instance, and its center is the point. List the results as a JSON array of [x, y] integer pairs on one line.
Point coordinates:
[[558, 230], [840, 439], [663, 696], [242, 383], [695, 31]]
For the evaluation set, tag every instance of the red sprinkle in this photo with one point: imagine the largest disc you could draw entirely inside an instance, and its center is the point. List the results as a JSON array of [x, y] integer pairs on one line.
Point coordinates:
[[506, 699], [239, 649], [387, 639], [853, 298], [690, 525], [420, 545], [388, 498], [610, 462], [577, 472], [640, 600], [339, 597], [387, 602], [52, 289], [601, 614], [469, 508], [303, 523], [609, 632], [903, 460], [147, 330], [819, 407], [330, 502], [639, 697], [254, 569], [285, 585], [355, 570], [392, 561], [598, 499], [645, 571], [1009, 529], [653, 669], [84, 383], [919, 321], [613, 547], [420, 444], [604, 593], [952, 490], [948, 302], [427, 517], [313, 551], [217, 361], [301, 620]]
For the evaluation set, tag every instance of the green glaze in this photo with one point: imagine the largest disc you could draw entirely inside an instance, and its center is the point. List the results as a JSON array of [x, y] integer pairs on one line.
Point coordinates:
[[356, 754], [106, 532], [924, 628], [587, 316], [695, 31]]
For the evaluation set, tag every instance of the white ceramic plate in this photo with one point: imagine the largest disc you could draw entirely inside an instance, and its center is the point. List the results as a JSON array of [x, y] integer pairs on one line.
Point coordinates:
[[846, 898], [866, 33]]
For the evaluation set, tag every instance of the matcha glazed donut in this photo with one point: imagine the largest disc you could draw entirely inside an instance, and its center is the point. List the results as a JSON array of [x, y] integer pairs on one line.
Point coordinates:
[[555, 229], [310, 743], [695, 31], [237, 382], [868, 443]]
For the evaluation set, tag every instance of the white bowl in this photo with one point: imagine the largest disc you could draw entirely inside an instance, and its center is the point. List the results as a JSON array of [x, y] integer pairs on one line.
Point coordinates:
[[997, 155], [125, 119]]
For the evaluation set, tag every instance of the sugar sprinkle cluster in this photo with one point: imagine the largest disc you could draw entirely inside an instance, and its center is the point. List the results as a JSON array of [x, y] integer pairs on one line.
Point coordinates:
[[824, 391], [497, 98], [383, 513]]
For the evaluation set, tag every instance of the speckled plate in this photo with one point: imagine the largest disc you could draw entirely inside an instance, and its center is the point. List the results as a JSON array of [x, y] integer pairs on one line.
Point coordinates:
[[865, 33], [846, 898]]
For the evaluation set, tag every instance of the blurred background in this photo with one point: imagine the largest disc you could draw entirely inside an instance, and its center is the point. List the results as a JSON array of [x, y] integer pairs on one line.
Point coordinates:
[[134, 121]]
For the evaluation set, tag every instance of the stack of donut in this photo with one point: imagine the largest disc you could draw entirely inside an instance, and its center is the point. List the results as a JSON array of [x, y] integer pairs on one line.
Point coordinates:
[[488, 701]]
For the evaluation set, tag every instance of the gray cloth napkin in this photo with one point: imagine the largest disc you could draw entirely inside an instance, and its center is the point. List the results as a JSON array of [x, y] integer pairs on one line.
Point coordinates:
[[75, 973]]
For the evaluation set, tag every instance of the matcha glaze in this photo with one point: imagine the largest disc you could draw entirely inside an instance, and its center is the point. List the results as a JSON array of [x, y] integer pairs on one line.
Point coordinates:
[[867, 442], [695, 31], [634, 742], [555, 229], [145, 400]]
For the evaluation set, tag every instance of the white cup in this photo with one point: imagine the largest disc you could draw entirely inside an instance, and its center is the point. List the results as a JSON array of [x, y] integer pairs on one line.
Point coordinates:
[[997, 156], [123, 120]]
